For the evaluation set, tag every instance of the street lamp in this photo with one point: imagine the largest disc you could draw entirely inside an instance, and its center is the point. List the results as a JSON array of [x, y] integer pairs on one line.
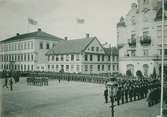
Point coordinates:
[[111, 86]]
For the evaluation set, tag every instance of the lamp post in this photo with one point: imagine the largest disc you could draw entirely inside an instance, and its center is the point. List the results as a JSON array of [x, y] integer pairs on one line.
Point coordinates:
[[111, 87]]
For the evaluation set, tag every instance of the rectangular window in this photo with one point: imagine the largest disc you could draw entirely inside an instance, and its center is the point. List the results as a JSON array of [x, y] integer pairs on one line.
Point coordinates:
[[57, 67], [72, 57], [102, 67], [47, 46], [52, 66], [62, 58], [102, 57], [53, 57], [28, 57], [77, 57], [91, 57], [91, 68], [67, 57], [41, 45], [78, 67], [133, 53], [72, 67], [24, 57], [48, 66], [98, 57], [109, 67], [165, 51], [92, 48], [32, 57], [48, 58], [108, 58], [86, 67], [67, 67], [86, 57], [113, 67], [25, 45], [98, 67], [57, 57]]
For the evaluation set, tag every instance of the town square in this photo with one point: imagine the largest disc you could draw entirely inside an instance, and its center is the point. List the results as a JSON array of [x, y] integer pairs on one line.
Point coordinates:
[[83, 58]]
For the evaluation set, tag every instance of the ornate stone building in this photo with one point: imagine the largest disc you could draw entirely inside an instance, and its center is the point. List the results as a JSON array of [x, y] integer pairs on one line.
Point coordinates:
[[139, 38]]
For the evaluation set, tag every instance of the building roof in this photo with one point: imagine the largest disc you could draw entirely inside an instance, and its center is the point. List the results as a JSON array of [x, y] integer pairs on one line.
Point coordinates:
[[71, 46], [111, 51], [37, 35]]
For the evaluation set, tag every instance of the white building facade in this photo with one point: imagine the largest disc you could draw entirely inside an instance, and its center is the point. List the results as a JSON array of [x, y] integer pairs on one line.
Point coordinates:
[[85, 55], [139, 38], [26, 52]]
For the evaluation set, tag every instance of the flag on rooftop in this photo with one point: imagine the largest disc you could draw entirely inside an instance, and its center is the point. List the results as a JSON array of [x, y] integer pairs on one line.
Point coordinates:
[[80, 20], [32, 21]]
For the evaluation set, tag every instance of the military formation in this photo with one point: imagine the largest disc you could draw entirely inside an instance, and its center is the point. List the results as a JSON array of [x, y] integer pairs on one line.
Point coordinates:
[[38, 81], [133, 90]]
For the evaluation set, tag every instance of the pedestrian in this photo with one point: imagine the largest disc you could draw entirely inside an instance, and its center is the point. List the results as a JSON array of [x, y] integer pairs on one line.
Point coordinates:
[[6, 83], [106, 95], [11, 84]]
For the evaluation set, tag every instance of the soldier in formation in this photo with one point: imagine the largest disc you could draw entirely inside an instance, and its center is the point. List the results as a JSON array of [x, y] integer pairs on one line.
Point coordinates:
[[132, 90]]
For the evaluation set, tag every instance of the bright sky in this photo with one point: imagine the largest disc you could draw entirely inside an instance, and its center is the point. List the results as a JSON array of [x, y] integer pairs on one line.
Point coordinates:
[[58, 17]]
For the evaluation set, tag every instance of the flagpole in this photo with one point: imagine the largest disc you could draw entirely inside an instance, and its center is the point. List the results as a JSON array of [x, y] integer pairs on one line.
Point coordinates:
[[162, 60]]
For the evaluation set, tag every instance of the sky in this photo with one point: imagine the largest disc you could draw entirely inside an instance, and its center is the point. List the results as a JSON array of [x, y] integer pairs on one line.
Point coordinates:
[[58, 17]]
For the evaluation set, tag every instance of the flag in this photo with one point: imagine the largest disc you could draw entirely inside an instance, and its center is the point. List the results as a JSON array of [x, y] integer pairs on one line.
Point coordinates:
[[32, 21], [80, 20]]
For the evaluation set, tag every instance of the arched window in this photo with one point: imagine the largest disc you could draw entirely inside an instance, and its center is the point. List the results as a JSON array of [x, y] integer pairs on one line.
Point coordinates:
[[131, 68]]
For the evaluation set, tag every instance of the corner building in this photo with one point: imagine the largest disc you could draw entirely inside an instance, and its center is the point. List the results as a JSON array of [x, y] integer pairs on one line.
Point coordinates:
[[26, 52], [139, 38]]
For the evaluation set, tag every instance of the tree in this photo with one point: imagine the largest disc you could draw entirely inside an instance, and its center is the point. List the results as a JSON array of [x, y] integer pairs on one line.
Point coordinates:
[[139, 74]]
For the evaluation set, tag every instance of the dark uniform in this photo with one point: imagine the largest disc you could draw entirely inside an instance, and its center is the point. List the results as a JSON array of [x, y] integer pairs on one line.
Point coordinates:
[[106, 95], [118, 95]]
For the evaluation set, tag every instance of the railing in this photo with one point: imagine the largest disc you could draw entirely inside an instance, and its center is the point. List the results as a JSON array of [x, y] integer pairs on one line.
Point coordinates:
[[145, 40]]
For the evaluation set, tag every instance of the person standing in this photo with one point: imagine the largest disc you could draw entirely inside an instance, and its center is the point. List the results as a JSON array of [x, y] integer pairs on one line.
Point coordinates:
[[6, 83], [106, 95], [11, 84]]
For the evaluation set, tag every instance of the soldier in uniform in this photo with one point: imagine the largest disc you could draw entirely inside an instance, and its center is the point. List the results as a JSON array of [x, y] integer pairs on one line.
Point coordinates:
[[126, 93], [118, 95], [106, 95], [11, 84], [122, 94]]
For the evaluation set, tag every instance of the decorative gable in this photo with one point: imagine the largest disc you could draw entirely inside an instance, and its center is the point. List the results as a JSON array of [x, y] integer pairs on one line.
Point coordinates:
[[94, 47]]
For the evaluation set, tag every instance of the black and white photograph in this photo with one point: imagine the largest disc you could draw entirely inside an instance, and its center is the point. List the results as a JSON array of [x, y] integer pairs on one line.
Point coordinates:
[[83, 58]]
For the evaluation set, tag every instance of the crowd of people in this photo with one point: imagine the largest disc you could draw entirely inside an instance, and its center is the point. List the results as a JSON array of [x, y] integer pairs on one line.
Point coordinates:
[[132, 90]]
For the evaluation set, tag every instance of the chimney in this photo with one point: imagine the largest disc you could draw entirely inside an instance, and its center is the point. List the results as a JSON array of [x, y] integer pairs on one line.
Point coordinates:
[[87, 35], [66, 38], [39, 29], [17, 34]]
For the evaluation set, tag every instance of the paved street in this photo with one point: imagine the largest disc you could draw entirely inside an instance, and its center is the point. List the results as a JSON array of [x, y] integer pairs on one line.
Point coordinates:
[[66, 99]]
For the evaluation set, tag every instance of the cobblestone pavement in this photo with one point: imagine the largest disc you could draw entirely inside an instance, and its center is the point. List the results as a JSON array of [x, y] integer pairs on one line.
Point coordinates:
[[66, 99]]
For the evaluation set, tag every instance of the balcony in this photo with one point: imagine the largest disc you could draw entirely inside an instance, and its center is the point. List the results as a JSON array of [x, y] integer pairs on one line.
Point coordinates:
[[132, 43], [145, 40]]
